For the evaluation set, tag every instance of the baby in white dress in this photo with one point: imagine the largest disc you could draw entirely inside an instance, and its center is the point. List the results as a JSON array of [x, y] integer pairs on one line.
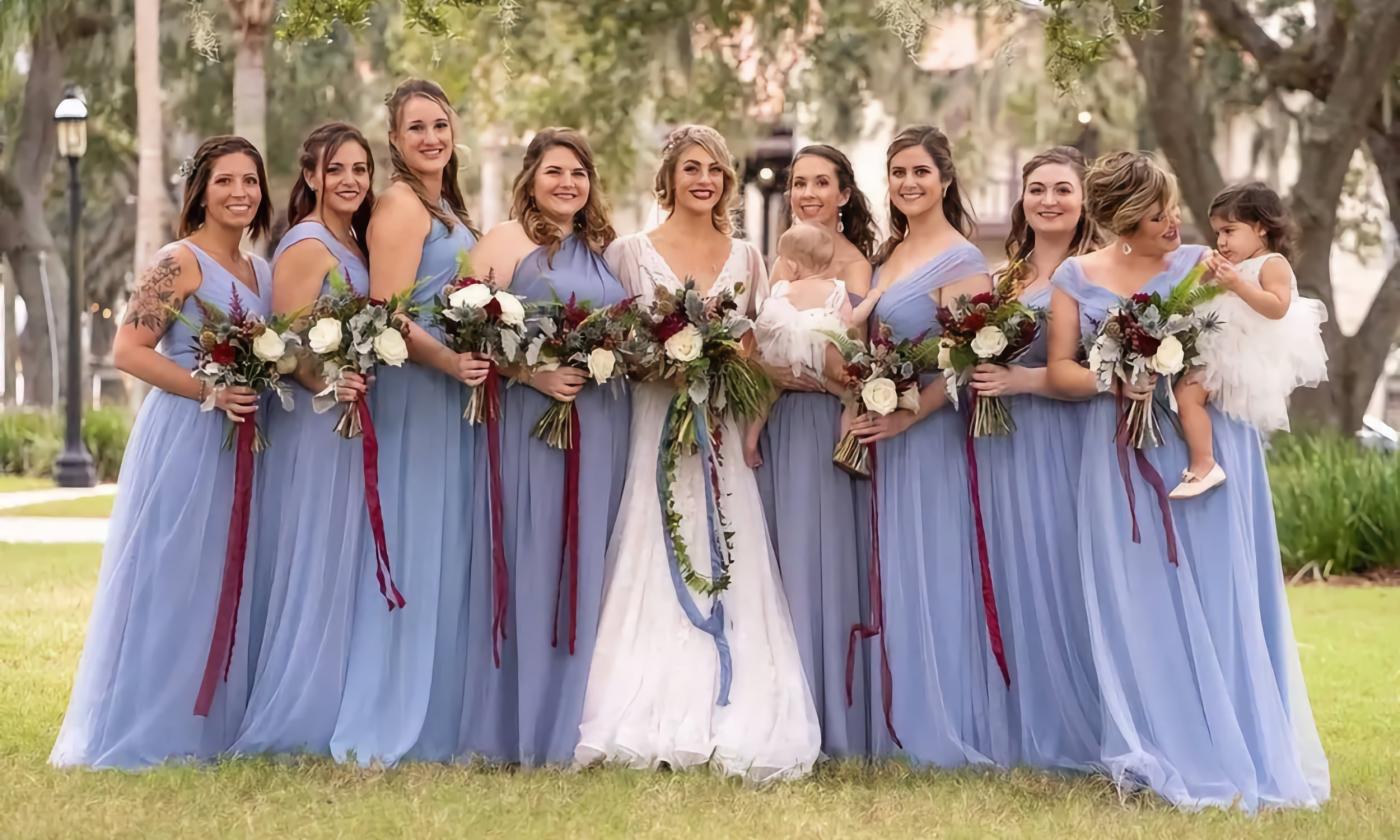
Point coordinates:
[[1269, 341], [793, 319]]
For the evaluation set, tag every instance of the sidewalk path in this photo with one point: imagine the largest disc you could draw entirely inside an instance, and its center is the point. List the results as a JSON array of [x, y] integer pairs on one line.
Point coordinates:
[[23, 498], [52, 529]]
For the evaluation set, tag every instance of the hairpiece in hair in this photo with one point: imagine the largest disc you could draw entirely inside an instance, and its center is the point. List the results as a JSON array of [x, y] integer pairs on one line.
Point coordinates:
[[187, 167]]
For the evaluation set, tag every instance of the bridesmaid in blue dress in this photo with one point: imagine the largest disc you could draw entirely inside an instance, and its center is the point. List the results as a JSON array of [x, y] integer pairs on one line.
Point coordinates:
[[818, 514], [153, 617], [1028, 486], [948, 693], [403, 686], [527, 709], [313, 543], [1175, 718]]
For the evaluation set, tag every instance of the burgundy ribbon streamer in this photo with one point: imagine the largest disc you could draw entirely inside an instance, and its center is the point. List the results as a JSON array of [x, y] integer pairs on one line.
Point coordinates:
[[1151, 476], [989, 601], [231, 590], [382, 572], [500, 582], [568, 558], [876, 627]]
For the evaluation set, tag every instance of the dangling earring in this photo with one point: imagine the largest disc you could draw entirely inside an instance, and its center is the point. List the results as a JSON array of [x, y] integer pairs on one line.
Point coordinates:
[[1127, 249], [840, 225]]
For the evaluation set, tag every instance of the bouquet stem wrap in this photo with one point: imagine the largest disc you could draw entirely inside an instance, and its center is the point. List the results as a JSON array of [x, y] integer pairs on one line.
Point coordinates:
[[991, 417], [370, 444], [351, 423], [568, 559], [713, 624], [1125, 440], [989, 600], [231, 589], [876, 627], [852, 456]]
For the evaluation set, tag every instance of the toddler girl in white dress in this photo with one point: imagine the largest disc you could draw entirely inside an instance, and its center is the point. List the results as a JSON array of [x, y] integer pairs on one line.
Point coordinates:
[[792, 321], [1269, 341]]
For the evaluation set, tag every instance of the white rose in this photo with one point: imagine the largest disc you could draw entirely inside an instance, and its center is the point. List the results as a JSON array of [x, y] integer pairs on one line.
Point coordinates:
[[287, 363], [909, 399], [601, 364], [325, 336], [945, 353], [988, 342], [474, 296], [512, 310], [269, 346], [685, 345], [390, 347], [1169, 358], [880, 395]]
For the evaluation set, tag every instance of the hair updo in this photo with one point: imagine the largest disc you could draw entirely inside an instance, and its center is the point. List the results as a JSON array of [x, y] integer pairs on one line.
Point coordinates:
[[1123, 188]]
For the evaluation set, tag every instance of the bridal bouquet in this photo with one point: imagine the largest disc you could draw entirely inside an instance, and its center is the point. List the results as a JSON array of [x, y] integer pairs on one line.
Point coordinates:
[[989, 328], [697, 344], [237, 348], [591, 339], [1150, 334], [476, 317], [883, 376], [576, 334], [354, 333]]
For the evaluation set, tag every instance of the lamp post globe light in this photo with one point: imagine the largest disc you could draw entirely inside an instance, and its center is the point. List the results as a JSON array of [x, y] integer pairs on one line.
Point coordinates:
[[74, 468]]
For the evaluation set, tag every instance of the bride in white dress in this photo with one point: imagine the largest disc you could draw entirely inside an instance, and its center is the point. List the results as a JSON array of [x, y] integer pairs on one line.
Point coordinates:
[[654, 686]]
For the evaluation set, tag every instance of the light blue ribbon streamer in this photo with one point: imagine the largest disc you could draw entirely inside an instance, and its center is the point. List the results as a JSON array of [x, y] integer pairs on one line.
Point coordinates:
[[714, 623]]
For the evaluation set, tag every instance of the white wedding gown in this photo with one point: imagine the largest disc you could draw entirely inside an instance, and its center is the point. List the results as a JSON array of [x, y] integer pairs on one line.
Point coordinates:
[[655, 677]]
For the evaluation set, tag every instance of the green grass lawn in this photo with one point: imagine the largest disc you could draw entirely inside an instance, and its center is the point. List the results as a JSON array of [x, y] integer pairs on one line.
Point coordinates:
[[11, 483], [1348, 640], [97, 506]]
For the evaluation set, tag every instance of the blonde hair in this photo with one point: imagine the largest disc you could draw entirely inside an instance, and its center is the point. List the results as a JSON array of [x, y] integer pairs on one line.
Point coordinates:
[[451, 190], [710, 140], [591, 222], [1121, 189], [809, 247]]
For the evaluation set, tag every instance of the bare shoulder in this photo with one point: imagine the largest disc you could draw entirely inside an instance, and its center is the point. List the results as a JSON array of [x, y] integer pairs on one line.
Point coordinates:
[[506, 237], [499, 252], [172, 275], [303, 259], [855, 272], [399, 212], [1275, 270]]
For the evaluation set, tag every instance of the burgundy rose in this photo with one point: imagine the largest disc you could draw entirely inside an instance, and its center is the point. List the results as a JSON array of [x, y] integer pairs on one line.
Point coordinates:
[[1142, 298], [973, 322], [1144, 344], [223, 353], [669, 326], [984, 299]]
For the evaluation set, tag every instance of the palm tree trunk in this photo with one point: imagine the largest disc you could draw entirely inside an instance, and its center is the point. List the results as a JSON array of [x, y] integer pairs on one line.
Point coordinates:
[[151, 229]]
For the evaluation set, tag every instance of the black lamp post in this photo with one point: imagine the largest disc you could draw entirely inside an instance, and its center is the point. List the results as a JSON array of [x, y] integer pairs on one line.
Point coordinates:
[[74, 468]]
